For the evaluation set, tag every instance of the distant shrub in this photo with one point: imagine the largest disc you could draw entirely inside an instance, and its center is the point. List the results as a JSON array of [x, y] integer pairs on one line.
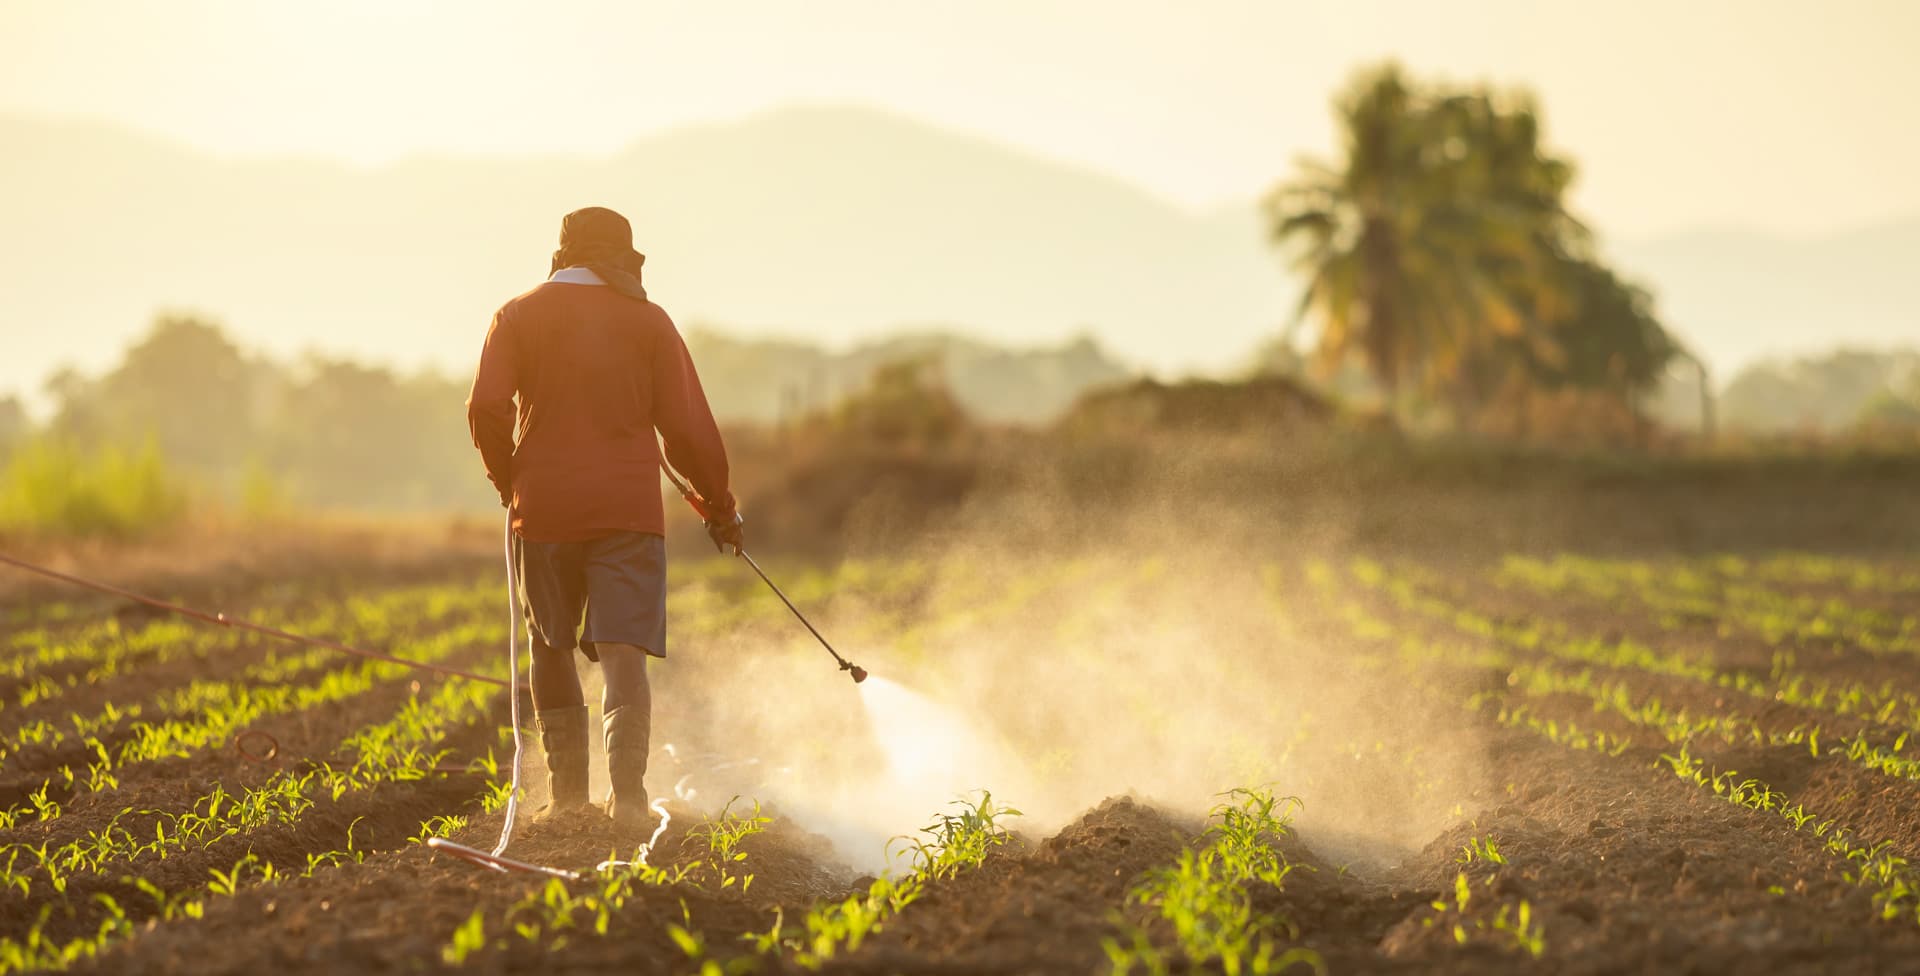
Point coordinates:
[[54, 488], [906, 403], [1569, 416], [1262, 403], [1890, 412], [263, 496]]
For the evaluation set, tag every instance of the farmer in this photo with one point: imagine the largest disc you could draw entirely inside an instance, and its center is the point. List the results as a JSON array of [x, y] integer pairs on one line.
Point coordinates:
[[598, 369]]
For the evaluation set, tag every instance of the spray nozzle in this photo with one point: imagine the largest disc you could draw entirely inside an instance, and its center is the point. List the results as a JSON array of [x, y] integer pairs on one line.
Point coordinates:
[[700, 507]]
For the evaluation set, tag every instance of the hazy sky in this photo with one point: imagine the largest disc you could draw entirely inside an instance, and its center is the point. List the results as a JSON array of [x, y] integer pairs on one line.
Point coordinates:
[[1794, 117]]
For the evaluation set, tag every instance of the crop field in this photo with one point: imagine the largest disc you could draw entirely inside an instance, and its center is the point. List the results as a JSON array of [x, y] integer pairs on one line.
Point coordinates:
[[1066, 763]]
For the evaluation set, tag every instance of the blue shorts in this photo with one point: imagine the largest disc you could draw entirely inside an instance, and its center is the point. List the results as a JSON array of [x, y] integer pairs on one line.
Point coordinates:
[[615, 584]]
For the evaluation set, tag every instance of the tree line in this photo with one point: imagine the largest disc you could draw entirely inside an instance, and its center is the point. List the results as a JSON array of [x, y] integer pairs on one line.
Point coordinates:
[[186, 400], [1443, 272], [320, 430]]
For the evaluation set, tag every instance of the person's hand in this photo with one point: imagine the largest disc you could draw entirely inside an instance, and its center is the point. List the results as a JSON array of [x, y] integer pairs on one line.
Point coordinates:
[[727, 533]]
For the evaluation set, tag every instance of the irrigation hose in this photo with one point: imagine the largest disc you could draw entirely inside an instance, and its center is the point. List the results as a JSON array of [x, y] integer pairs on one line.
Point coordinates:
[[496, 860], [513, 690], [229, 622], [264, 749]]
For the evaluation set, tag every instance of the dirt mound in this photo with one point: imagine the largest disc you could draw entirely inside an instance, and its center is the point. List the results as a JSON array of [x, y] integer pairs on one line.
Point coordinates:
[[399, 909], [1032, 908]]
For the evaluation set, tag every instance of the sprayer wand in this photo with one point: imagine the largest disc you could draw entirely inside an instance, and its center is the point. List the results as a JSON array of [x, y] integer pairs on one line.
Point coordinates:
[[699, 506]]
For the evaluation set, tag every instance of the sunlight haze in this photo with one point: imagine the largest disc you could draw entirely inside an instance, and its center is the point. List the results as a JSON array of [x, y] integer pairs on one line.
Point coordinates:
[[1777, 116], [842, 171], [1235, 486]]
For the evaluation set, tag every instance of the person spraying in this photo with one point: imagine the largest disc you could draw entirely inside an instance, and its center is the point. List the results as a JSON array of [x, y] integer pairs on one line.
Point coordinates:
[[598, 369]]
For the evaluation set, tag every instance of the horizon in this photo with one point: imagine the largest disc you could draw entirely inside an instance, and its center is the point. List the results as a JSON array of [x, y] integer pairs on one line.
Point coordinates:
[[1223, 206], [1138, 96], [407, 356], [1745, 139]]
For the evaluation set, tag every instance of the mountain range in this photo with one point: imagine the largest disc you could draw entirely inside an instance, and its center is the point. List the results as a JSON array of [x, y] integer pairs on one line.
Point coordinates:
[[831, 225]]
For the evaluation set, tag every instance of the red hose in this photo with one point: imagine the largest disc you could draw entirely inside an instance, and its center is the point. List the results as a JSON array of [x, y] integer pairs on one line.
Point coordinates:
[[226, 621]]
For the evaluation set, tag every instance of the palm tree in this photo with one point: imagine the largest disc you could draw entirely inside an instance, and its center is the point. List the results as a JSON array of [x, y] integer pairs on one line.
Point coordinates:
[[1527, 244], [1429, 239], [1351, 225]]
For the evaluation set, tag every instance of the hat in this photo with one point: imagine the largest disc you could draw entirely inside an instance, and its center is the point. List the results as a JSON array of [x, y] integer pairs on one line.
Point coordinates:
[[601, 240], [595, 228]]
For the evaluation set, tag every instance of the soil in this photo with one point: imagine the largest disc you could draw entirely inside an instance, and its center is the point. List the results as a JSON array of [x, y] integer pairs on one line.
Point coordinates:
[[1621, 866]]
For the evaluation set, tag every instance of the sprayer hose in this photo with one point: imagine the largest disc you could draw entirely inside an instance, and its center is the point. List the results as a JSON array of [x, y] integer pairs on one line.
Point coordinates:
[[226, 621], [513, 687]]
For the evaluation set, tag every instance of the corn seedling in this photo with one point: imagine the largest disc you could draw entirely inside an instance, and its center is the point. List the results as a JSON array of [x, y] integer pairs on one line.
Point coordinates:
[[1203, 898]]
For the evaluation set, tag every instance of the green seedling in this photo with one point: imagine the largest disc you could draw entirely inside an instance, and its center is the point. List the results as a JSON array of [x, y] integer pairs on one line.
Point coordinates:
[[722, 836], [957, 842], [1203, 897], [1481, 849]]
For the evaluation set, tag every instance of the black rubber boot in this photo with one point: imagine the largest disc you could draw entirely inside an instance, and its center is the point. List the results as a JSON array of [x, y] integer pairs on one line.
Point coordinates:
[[627, 740], [563, 735]]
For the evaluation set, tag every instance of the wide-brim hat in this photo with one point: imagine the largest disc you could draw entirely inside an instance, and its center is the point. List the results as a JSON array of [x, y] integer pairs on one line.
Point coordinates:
[[598, 234]]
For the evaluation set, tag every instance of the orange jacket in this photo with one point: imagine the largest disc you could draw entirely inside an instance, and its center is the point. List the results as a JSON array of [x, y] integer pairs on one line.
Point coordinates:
[[597, 374]]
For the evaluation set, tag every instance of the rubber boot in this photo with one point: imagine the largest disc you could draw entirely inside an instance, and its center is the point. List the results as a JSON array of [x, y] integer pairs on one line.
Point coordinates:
[[563, 735], [627, 740]]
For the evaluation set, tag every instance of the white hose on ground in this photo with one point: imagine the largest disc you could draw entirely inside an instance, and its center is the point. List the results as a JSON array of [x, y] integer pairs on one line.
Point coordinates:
[[514, 623], [513, 688]]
